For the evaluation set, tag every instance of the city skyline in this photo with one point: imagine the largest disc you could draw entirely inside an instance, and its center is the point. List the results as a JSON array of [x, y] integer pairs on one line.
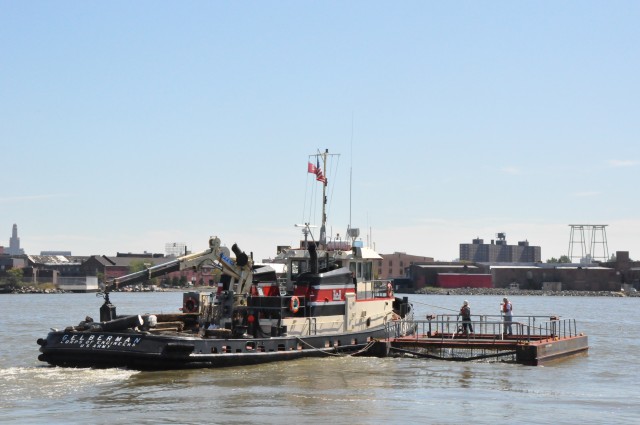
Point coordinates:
[[132, 125], [578, 243]]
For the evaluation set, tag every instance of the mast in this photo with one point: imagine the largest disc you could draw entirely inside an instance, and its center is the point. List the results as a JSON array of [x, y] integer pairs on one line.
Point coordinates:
[[323, 228], [321, 177], [350, 174]]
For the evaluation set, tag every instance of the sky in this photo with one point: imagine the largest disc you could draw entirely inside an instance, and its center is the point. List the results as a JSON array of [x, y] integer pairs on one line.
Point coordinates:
[[128, 125]]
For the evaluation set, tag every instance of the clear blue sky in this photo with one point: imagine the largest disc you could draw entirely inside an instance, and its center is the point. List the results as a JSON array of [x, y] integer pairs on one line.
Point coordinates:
[[127, 125]]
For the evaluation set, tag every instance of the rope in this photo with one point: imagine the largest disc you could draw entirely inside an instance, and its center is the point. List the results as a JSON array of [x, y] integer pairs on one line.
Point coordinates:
[[324, 350], [365, 348], [318, 349], [436, 306]]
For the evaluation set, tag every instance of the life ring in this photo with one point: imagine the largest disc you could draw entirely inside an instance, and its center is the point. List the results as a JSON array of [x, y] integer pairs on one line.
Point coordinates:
[[190, 305], [389, 290], [294, 304]]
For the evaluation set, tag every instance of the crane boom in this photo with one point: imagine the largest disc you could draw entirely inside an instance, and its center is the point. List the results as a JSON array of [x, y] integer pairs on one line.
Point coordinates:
[[216, 256]]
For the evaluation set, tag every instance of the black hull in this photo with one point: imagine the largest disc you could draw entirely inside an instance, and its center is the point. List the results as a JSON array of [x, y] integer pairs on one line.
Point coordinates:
[[140, 351]]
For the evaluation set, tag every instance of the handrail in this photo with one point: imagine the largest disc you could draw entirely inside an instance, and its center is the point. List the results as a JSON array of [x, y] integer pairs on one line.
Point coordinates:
[[379, 289], [526, 328], [401, 327]]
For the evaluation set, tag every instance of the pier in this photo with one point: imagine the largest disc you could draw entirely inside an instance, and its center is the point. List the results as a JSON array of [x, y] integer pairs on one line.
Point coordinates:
[[535, 340]]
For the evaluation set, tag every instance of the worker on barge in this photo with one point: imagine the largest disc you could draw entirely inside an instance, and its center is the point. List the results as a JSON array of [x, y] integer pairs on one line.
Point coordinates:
[[507, 311], [465, 312]]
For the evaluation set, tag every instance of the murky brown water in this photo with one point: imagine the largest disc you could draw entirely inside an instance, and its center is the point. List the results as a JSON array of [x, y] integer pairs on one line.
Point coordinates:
[[602, 386]]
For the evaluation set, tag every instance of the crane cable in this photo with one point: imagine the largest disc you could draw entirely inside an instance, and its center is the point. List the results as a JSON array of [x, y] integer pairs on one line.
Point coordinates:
[[436, 306]]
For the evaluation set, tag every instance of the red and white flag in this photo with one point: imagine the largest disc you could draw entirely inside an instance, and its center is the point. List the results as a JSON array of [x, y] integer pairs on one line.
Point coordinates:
[[319, 176], [311, 168], [315, 169]]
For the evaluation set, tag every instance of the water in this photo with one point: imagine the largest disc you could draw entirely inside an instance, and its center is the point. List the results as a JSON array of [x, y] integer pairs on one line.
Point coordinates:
[[594, 389]]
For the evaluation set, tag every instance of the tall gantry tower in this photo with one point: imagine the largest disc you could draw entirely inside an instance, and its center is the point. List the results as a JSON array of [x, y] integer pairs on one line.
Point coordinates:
[[595, 248]]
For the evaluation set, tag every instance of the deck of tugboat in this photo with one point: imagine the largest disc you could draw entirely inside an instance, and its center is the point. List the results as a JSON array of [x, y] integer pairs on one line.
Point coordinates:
[[534, 340]]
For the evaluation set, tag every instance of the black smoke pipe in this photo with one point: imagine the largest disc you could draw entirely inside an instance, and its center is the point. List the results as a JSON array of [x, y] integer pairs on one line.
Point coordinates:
[[314, 258]]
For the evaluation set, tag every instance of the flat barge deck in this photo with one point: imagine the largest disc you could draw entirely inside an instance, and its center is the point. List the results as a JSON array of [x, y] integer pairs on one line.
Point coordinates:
[[535, 340]]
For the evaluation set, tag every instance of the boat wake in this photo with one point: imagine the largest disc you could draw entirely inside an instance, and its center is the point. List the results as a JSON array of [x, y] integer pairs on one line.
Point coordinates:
[[18, 384]]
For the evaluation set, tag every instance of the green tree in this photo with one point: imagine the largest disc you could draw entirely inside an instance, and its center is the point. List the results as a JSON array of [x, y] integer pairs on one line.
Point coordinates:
[[139, 265], [562, 259], [13, 278]]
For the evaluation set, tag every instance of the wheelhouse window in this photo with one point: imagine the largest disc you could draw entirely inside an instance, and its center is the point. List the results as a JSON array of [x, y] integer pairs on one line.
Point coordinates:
[[368, 270], [298, 267], [362, 270]]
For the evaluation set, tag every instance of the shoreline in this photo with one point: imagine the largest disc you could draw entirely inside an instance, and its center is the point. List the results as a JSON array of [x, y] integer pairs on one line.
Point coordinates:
[[423, 291], [521, 292], [36, 290]]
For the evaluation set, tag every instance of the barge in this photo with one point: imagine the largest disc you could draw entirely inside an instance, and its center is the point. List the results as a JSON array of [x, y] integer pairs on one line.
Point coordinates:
[[537, 340]]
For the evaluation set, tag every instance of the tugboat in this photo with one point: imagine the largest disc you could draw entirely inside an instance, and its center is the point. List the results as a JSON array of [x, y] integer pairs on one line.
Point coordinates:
[[328, 303]]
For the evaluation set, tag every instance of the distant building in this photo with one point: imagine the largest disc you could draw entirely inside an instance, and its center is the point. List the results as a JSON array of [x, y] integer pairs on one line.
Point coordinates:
[[499, 251], [628, 271], [567, 276], [136, 255], [14, 243], [63, 265], [6, 263], [120, 265], [396, 265], [570, 277], [450, 275], [175, 249], [63, 271]]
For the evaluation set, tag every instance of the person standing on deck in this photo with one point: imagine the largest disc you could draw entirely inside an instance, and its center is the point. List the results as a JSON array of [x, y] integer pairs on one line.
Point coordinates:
[[465, 312], [507, 310]]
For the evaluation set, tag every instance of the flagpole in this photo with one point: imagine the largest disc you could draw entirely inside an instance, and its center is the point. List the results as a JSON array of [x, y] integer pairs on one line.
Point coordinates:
[[323, 229]]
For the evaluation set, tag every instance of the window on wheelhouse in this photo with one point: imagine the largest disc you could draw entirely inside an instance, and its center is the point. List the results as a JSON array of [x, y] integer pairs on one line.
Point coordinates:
[[297, 267], [362, 270], [368, 271]]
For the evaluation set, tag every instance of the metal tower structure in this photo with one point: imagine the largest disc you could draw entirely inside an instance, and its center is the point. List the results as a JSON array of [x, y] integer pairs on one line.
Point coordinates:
[[588, 250], [599, 242], [175, 249]]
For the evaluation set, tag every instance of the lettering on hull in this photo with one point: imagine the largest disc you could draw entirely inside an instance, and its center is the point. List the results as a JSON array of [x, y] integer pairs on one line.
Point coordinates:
[[100, 341]]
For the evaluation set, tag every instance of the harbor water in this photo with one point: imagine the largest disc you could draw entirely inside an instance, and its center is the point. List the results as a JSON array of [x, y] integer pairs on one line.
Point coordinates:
[[601, 387]]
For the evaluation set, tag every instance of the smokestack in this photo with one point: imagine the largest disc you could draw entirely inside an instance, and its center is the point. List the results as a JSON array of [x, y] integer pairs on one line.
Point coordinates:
[[314, 258]]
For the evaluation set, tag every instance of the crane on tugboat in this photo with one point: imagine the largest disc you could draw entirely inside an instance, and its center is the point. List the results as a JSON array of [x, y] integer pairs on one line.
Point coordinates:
[[329, 303]]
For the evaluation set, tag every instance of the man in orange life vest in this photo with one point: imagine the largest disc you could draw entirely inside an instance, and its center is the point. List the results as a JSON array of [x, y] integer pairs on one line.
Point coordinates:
[[507, 310]]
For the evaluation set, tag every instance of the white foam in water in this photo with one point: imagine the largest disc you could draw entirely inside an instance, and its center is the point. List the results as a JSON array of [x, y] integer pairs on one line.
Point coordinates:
[[22, 383]]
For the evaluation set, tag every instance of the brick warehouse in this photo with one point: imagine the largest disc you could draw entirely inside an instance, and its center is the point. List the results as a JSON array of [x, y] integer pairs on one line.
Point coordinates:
[[608, 276]]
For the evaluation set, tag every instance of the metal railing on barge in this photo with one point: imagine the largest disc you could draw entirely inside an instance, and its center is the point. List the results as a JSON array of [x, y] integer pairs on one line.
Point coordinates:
[[443, 336], [523, 328]]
